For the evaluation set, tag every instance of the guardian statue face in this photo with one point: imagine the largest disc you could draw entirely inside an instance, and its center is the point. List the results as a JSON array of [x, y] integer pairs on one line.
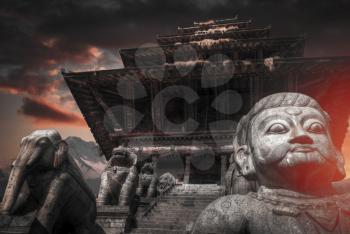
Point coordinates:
[[283, 145], [290, 146]]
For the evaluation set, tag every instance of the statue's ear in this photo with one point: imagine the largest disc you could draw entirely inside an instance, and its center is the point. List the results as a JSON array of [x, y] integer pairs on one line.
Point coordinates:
[[231, 159], [61, 154], [243, 159]]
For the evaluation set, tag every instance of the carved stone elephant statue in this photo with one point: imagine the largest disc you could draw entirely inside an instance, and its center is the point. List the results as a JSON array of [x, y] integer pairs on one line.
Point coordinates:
[[119, 180], [45, 178], [148, 181]]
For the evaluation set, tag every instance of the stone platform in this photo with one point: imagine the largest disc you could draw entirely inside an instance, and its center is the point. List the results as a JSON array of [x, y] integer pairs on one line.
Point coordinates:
[[113, 219]]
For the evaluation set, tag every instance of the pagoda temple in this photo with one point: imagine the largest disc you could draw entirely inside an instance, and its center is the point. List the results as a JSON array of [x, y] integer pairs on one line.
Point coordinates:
[[175, 105], [177, 102]]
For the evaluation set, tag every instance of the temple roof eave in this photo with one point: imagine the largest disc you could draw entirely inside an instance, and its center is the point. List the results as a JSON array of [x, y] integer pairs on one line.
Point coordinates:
[[120, 73], [238, 34], [233, 43]]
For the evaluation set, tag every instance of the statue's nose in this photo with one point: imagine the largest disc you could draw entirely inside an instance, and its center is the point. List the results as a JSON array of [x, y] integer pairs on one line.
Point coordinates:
[[300, 137]]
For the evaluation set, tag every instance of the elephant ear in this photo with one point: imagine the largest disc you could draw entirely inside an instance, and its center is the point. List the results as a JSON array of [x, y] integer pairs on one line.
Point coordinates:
[[61, 154]]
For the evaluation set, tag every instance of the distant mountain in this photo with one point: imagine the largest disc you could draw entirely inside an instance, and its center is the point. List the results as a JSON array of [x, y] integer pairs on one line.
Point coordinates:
[[89, 158]]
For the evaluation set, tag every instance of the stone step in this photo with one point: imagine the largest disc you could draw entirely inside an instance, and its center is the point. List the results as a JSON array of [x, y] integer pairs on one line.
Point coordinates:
[[167, 210], [189, 196], [194, 194], [180, 203], [157, 231], [170, 220], [14, 231], [179, 206], [185, 201], [172, 215], [163, 212], [166, 221], [183, 217], [177, 226], [174, 203], [184, 204], [175, 213]]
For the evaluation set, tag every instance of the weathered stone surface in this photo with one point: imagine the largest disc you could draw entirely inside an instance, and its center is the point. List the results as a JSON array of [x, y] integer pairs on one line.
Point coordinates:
[[113, 219], [119, 180], [283, 144], [45, 179], [16, 224], [166, 181], [148, 180]]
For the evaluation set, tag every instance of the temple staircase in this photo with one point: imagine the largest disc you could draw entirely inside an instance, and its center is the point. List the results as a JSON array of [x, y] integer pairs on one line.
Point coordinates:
[[176, 211]]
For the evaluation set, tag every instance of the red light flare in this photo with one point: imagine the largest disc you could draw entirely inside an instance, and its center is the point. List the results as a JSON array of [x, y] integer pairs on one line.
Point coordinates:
[[333, 94]]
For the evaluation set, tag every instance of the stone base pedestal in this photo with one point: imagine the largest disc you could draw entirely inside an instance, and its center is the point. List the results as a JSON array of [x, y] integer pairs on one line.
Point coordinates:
[[113, 219], [16, 224]]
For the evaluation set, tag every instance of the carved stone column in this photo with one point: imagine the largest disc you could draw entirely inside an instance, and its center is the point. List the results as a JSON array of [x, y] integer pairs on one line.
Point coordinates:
[[155, 159], [187, 169], [223, 168], [129, 117]]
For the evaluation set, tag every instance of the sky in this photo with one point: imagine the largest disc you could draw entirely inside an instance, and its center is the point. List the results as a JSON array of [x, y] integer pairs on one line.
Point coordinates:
[[41, 37]]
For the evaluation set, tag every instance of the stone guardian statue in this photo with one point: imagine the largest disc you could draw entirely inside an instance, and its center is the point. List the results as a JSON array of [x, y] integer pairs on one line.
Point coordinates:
[[120, 178], [283, 144], [148, 181]]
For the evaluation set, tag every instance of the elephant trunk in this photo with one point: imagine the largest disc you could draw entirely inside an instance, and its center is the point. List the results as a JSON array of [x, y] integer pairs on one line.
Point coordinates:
[[13, 188], [17, 177]]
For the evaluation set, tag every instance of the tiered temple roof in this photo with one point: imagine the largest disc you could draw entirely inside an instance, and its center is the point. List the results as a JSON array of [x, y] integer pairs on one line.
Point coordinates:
[[119, 106], [231, 37]]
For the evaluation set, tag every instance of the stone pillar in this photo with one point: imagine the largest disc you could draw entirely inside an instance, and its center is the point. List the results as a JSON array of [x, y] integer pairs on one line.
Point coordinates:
[[187, 169], [129, 117], [223, 168], [155, 159], [157, 109]]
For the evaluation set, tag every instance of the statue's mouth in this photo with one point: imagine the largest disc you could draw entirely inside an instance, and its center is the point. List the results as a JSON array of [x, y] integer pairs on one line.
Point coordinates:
[[301, 154], [303, 149]]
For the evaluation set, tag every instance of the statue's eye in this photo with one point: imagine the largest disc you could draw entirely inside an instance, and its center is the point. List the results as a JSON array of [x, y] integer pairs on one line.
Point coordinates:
[[277, 128], [316, 128], [43, 141]]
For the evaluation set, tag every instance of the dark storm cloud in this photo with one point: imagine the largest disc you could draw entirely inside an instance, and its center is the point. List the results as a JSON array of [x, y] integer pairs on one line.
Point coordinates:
[[26, 55], [116, 23], [37, 36], [41, 111], [24, 80]]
